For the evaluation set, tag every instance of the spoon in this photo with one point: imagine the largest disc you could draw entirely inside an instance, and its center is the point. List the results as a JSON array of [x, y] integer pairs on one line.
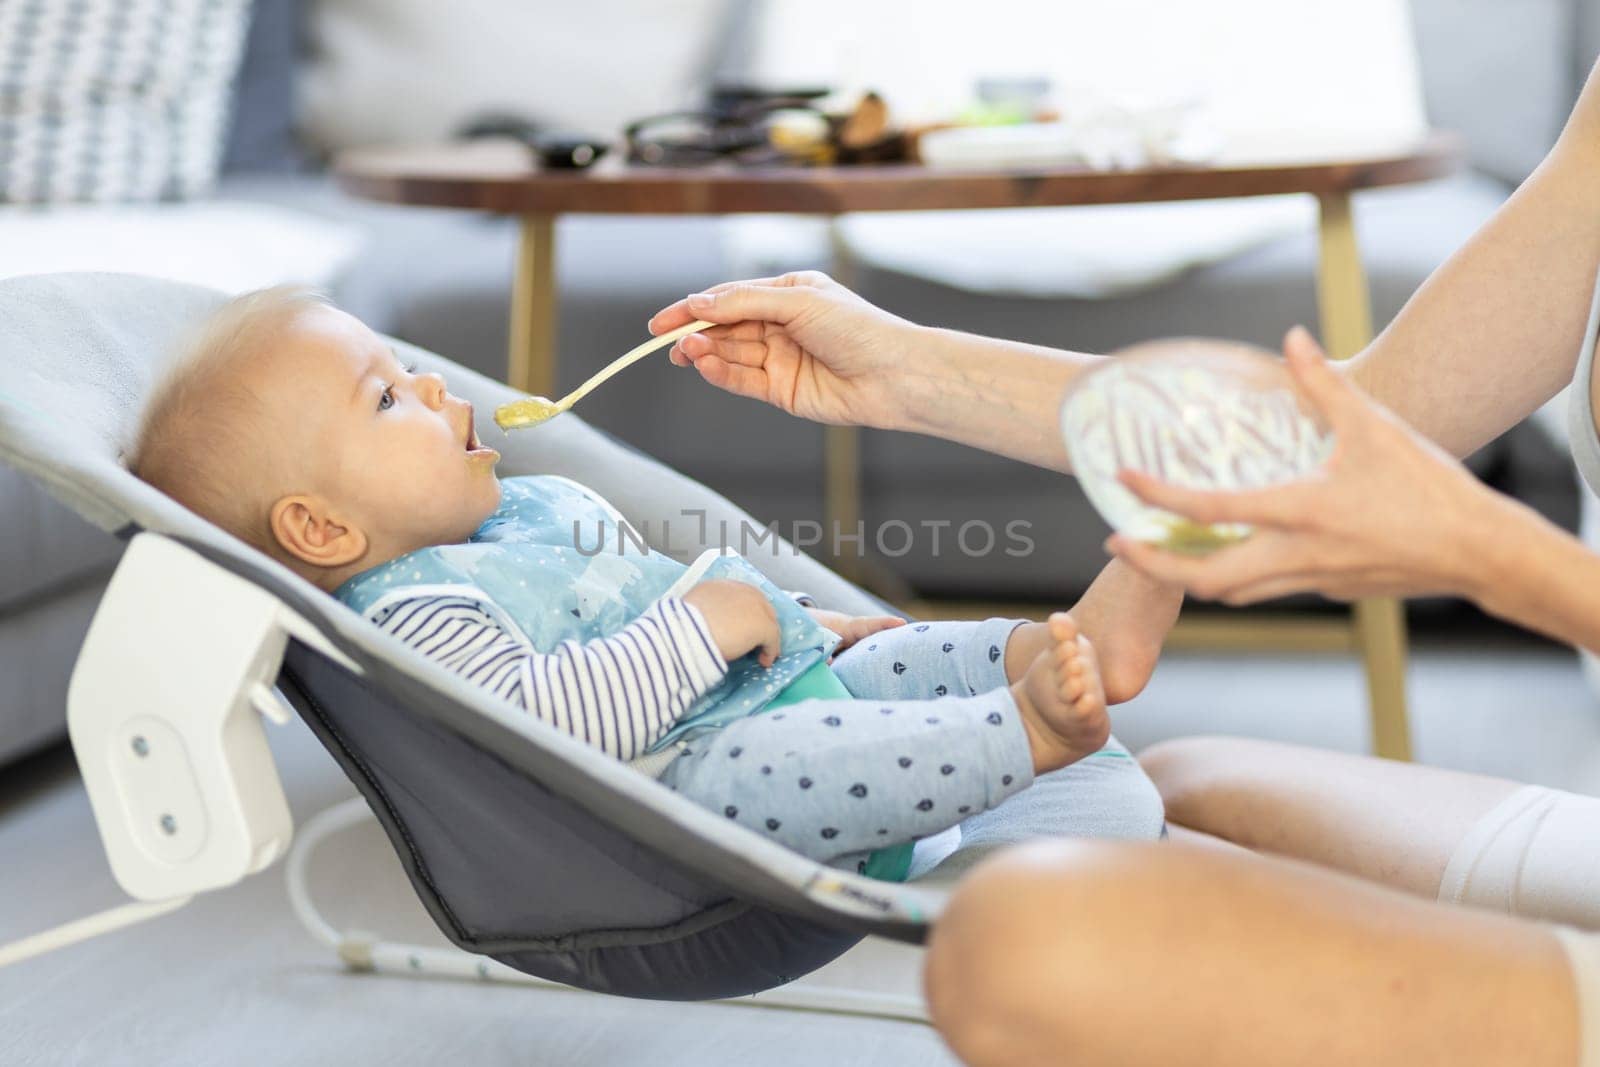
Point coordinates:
[[533, 410]]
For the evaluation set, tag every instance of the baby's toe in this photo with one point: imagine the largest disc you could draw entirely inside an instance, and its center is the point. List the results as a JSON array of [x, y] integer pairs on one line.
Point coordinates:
[[1067, 653], [1089, 676], [1090, 703]]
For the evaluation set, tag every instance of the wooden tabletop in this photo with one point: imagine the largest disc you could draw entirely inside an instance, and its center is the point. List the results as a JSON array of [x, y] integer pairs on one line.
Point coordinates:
[[501, 176]]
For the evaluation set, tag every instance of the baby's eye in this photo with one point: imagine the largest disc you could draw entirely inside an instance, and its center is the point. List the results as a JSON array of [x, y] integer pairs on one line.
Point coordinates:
[[386, 400]]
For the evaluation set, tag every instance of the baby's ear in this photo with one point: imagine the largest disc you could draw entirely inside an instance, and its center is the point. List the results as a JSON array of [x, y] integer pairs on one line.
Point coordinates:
[[304, 527]]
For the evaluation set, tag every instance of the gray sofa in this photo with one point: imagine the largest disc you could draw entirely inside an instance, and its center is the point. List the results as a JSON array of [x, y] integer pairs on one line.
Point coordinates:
[[1504, 74]]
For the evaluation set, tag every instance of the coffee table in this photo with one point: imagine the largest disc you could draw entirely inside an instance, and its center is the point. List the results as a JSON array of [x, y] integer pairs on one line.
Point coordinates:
[[500, 177]]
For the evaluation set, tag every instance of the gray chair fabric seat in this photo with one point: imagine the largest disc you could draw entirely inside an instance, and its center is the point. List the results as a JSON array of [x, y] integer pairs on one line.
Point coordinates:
[[523, 843]]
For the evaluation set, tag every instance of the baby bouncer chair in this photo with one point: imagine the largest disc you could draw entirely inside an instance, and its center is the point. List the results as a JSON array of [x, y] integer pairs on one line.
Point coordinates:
[[537, 856]]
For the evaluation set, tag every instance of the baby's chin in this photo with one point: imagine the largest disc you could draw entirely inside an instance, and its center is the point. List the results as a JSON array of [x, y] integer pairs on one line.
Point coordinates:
[[454, 529]]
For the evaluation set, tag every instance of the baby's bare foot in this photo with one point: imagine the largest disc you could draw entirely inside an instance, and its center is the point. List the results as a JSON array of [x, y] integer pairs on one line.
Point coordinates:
[[1062, 702], [1127, 615]]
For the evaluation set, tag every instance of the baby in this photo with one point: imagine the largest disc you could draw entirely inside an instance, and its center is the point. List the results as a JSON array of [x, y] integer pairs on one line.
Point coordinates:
[[299, 430]]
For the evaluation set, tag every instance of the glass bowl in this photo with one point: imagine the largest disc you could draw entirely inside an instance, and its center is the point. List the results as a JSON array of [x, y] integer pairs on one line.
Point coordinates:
[[1201, 418]]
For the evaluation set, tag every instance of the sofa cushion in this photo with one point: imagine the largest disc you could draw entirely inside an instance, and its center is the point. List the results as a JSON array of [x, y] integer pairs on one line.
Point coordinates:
[[1588, 39], [38, 647], [44, 546], [384, 71], [1501, 73], [261, 128], [228, 245], [1090, 252]]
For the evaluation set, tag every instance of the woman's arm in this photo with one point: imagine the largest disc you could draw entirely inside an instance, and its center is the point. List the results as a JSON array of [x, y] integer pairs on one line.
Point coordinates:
[[1535, 574], [1389, 514], [1494, 332], [1003, 396], [1000, 396], [813, 348]]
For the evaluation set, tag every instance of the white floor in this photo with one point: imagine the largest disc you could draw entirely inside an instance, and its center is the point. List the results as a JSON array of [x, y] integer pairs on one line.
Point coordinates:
[[232, 979]]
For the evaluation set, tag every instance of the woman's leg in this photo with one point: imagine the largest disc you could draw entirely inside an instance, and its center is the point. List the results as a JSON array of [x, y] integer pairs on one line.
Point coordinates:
[[1116, 953], [1395, 823], [1180, 835], [1460, 838]]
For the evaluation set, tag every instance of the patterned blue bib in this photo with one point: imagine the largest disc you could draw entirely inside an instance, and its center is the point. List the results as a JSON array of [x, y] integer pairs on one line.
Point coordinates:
[[562, 564]]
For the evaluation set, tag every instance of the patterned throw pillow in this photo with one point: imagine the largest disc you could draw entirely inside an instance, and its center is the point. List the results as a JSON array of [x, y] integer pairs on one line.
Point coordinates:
[[114, 100]]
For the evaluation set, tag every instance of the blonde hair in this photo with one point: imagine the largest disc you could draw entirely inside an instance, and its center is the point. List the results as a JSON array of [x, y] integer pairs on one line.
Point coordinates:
[[200, 435]]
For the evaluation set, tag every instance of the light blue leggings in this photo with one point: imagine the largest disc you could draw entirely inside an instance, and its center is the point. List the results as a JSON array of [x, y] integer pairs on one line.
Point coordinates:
[[932, 739]]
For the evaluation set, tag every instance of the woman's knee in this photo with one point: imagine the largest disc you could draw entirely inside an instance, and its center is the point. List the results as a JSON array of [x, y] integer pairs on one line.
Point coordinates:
[[1040, 926], [1193, 774]]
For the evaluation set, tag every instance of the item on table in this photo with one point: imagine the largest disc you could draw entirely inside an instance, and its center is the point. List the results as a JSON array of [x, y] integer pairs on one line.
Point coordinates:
[[1006, 100], [735, 125], [760, 127], [866, 134], [552, 149], [1202, 419], [1098, 130], [566, 151]]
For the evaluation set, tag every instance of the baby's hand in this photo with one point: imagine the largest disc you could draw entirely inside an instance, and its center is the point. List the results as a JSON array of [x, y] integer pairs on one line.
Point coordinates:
[[741, 618], [852, 628]]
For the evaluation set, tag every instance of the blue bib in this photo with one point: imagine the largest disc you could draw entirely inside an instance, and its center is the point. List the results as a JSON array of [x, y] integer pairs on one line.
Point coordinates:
[[561, 564]]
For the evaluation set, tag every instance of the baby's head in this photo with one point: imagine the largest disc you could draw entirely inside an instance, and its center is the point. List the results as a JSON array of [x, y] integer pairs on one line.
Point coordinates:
[[297, 429]]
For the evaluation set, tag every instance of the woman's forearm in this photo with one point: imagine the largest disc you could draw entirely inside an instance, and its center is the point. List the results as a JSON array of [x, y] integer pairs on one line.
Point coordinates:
[[1529, 571], [1000, 396]]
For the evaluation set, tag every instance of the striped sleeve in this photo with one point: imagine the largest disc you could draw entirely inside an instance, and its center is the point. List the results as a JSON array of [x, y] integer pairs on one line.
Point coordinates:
[[619, 693]]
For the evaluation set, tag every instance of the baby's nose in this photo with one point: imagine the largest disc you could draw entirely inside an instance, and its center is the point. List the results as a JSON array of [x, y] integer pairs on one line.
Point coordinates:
[[433, 389]]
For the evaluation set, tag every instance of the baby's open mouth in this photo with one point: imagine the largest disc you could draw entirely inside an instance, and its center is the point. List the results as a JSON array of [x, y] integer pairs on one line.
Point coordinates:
[[472, 442]]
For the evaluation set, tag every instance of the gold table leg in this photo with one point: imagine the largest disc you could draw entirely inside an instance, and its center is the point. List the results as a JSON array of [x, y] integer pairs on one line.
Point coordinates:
[[841, 498], [1380, 626], [531, 362], [841, 455]]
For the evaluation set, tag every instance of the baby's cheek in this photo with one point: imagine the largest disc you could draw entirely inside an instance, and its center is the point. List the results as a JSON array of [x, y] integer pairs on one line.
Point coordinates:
[[462, 508], [489, 493]]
